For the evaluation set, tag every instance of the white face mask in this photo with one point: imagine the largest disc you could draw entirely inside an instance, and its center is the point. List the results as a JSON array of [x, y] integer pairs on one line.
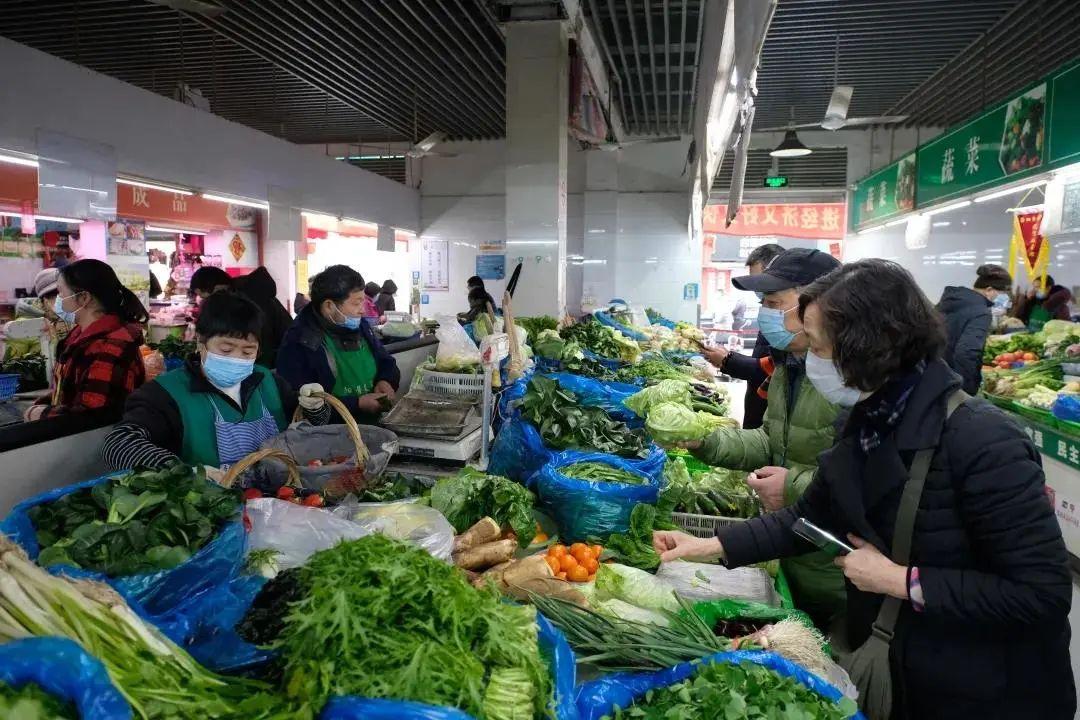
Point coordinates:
[[828, 381]]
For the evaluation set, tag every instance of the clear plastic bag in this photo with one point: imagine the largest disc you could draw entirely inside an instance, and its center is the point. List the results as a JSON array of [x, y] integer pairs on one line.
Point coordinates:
[[706, 581], [406, 520], [456, 349], [297, 532]]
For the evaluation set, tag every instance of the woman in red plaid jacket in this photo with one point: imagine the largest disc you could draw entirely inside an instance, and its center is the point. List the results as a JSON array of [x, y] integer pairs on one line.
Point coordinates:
[[98, 364]]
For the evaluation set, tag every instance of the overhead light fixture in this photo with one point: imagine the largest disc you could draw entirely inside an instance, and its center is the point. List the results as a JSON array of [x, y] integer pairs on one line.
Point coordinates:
[[47, 218], [237, 201], [894, 223], [179, 231], [943, 223], [364, 223], [874, 229], [790, 147], [26, 160], [312, 215], [947, 208], [152, 186], [1009, 191], [532, 242]]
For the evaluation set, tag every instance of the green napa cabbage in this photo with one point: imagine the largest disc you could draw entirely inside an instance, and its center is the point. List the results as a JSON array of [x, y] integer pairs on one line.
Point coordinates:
[[637, 587], [665, 391], [670, 423]]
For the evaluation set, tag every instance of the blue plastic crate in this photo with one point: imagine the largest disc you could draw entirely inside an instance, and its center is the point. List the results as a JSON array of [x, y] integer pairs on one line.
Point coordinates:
[[9, 385]]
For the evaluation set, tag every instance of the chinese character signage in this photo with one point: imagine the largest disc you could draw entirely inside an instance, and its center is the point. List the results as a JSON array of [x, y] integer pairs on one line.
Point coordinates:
[[491, 267], [435, 266], [885, 194], [815, 221], [1061, 446]]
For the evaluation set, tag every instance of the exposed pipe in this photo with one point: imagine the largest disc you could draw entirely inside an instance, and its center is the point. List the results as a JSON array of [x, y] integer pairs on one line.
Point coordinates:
[[625, 65], [632, 19], [602, 41], [682, 65], [652, 63], [667, 69]]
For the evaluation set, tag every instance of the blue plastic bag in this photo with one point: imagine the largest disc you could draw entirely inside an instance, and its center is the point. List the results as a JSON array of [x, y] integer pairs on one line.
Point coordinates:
[[1067, 407], [600, 697], [606, 395], [553, 646], [605, 319], [64, 670], [155, 593], [584, 509], [518, 450]]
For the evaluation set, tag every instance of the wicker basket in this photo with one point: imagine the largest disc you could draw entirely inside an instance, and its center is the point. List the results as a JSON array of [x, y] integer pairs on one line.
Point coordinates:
[[238, 468], [454, 384], [702, 526]]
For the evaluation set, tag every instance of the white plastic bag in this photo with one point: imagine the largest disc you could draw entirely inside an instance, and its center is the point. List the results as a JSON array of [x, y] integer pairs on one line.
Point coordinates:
[[296, 532], [706, 581], [406, 520], [456, 350]]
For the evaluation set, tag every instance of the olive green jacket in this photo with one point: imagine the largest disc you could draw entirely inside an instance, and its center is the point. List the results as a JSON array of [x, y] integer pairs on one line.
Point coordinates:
[[791, 438]]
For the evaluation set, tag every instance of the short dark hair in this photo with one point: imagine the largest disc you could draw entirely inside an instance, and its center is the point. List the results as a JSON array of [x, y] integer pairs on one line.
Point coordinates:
[[474, 282], [993, 276], [335, 283], [389, 287], [207, 279], [879, 321], [1050, 281], [371, 289], [763, 254], [478, 296], [228, 314]]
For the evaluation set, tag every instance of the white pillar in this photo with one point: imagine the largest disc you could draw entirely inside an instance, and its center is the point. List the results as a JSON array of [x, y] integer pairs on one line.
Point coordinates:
[[537, 86]]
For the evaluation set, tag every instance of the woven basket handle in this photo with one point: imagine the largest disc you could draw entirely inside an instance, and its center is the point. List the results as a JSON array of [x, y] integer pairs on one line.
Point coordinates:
[[362, 453], [238, 468]]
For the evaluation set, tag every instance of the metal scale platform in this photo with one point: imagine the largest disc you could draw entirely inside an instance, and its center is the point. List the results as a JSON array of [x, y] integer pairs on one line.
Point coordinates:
[[436, 427]]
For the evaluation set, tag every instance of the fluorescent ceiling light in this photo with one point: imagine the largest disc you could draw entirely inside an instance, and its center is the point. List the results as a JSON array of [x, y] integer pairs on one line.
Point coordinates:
[[48, 218], [237, 201], [947, 208], [874, 229], [369, 157], [790, 147], [365, 223], [312, 215], [532, 242], [152, 186], [1026, 208], [942, 223], [27, 160], [894, 223], [1009, 191], [181, 231]]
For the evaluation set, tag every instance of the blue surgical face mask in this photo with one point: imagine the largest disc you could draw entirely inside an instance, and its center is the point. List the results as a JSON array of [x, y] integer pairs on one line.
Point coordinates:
[[67, 316], [348, 322], [1003, 301], [225, 371], [828, 381], [771, 322]]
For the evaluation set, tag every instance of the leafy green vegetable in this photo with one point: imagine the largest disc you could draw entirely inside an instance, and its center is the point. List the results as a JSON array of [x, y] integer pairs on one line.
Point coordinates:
[[671, 423], [601, 472], [563, 423], [31, 371], [634, 586], [635, 547], [727, 690], [143, 521], [536, 325], [174, 347], [652, 369], [549, 344], [30, 702], [471, 495], [718, 492], [665, 391], [382, 619], [605, 341]]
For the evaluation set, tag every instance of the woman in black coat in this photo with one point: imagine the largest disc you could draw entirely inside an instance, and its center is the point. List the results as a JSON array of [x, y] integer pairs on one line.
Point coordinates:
[[983, 629], [967, 313]]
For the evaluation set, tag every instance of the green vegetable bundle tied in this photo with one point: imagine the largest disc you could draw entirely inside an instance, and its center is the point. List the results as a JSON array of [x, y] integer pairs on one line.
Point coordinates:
[[563, 423], [143, 521], [601, 472]]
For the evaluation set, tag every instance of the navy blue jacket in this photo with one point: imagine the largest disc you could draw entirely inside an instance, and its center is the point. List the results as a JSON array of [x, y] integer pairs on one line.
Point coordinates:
[[302, 358]]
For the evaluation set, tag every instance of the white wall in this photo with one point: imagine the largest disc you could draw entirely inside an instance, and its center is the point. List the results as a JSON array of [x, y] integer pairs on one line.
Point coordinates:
[[975, 235], [158, 138]]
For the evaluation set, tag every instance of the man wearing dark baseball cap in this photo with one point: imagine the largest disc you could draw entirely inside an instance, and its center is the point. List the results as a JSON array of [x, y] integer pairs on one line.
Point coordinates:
[[781, 455]]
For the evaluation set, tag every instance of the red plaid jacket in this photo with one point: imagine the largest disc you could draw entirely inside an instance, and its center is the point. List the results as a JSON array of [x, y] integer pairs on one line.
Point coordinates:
[[97, 368]]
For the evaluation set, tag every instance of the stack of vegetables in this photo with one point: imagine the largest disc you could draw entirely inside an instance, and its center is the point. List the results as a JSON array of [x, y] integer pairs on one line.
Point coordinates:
[[717, 492], [674, 414], [564, 423], [607, 342]]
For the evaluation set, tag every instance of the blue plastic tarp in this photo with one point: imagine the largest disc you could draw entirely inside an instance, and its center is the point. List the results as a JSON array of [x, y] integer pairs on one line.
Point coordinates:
[[65, 671]]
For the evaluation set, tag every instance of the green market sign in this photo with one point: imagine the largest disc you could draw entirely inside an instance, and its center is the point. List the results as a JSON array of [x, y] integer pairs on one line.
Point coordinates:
[[1051, 442], [1032, 132]]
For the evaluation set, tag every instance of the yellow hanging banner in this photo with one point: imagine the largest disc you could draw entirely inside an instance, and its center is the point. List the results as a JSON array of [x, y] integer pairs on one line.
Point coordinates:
[[1028, 241]]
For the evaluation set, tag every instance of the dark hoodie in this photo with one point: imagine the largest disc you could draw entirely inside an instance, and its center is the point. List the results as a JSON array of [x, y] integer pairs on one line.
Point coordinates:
[[967, 322], [385, 301], [260, 288]]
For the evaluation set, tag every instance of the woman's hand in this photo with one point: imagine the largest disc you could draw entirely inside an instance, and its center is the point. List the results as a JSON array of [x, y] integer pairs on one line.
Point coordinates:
[[715, 355], [872, 572], [689, 445], [33, 413], [308, 399], [672, 545], [769, 483], [384, 388], [371, 403]]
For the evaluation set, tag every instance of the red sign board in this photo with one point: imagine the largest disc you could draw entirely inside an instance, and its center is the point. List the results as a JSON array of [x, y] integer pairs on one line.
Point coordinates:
[[1030, 224], [182, 211], [813, 221], [18, 185]]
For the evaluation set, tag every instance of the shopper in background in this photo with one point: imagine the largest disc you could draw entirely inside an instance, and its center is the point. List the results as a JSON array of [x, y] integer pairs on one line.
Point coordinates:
[[967, 314], [478, 305], [98, 363], [385, 300], [799, 423], [371, 310], [750, 368], [216, 409], [983, 601], [1037, 306], [259, 287], [330, 344], [476, 283]]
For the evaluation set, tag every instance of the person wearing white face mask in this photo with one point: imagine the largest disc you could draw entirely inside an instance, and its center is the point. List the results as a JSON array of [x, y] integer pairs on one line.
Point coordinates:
[[219, 406], [958, 582], [781, 455], [968, 313]]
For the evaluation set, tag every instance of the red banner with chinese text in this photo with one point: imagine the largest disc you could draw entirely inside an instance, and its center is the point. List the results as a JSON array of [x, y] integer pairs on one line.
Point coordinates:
[[1030, 224], [184, 211], [813, 221]]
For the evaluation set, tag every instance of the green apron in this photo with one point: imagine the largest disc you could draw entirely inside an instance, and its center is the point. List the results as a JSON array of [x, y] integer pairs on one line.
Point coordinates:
[[354, 370], [1038, 318], [201, 411]]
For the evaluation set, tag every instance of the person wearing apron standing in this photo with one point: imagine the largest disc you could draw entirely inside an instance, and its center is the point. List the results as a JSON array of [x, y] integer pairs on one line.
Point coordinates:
[[330, 344], [216, 409]]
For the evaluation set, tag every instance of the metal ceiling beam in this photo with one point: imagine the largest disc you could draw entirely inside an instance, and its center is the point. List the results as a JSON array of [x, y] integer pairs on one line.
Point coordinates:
[[594, 52], [637, 64], [634, 99], [652, 63]]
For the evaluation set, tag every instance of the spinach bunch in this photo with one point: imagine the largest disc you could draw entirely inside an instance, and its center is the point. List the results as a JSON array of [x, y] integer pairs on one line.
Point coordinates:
[[635, 547], [563, 423], [144, 521], [471, 495], [746, 690]]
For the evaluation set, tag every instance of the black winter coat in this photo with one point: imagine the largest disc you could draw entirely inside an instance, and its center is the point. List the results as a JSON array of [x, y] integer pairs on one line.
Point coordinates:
[[967, 321], [748, 368], [259, 287], [993, 639]]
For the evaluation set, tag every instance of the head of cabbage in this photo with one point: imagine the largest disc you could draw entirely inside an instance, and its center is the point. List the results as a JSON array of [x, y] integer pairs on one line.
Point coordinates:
[[671, 423], [665, 391]]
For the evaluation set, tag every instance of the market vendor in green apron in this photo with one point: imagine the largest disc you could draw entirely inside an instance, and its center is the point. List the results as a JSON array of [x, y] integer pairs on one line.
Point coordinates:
[[1044, 301], [330, 344], [216, 409]]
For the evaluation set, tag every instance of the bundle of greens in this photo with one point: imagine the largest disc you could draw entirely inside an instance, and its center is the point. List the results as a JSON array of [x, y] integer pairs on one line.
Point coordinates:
[[379, 618], [601, 472], [671, 423], [718, 492], [158, 679], [31, 371], [143, 521], [605, 341], [665, 391], [174, 347], [652, 370], [471, 495], [30, 702], [549, 344], [535, 325], [635, 547], [390, 487], [1020, 383], [726, 690], [563, 423]]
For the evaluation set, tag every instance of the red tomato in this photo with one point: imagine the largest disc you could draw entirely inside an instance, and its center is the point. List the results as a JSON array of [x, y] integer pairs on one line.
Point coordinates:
[[312, 500], [252, 494], [1004, 364], [285, 493], [1008, 357]]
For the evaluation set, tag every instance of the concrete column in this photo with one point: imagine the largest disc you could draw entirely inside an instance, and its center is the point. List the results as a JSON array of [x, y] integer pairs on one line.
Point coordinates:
[[601, 228], [537, 86]]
